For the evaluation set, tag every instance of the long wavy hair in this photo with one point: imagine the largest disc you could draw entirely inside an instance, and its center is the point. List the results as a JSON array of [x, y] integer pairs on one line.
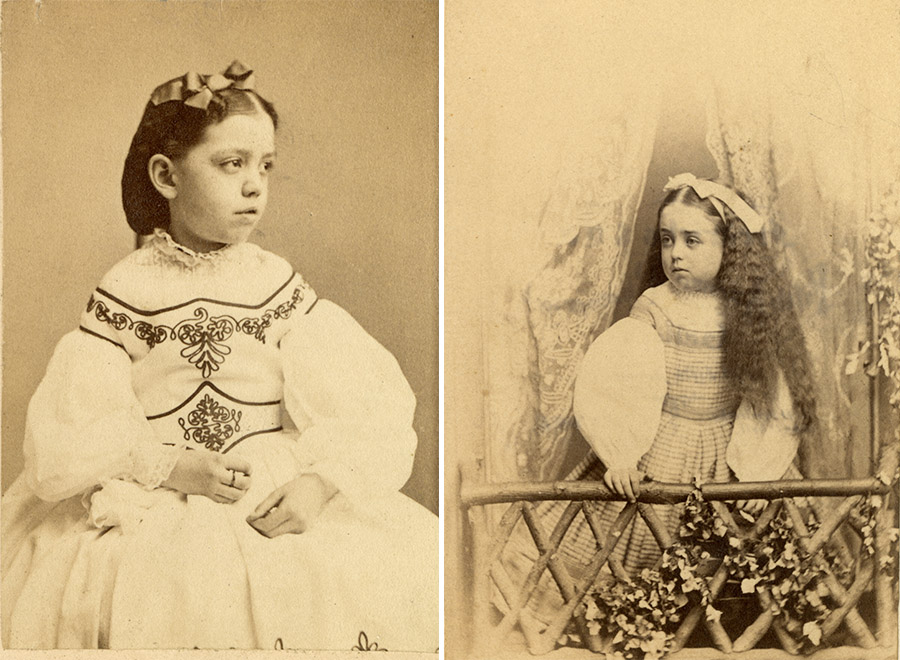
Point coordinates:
[[171, 129], [762, 331]]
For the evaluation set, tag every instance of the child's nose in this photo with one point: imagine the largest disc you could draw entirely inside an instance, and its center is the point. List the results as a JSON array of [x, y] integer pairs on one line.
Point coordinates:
[[252, 185]]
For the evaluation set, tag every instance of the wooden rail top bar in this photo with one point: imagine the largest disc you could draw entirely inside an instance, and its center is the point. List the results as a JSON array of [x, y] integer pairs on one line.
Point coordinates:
[[665, 493]]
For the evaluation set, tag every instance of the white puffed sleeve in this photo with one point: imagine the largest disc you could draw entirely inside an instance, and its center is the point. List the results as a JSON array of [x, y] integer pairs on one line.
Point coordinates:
[[762, 447], [351, 403], [619, 392], [85, 426]]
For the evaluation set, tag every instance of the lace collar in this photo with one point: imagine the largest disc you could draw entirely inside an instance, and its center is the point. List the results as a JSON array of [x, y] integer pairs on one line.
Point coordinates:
[[165, 245]]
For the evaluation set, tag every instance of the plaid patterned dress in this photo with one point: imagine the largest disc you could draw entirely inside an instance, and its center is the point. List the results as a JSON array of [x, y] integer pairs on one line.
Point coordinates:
[[697, 419]]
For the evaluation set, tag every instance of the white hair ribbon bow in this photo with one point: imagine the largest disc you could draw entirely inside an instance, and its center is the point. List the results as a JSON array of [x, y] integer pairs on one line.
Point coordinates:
[[718, 194]]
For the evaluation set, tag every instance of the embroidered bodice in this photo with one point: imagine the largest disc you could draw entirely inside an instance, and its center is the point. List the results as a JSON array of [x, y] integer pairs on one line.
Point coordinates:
[[206, 369]]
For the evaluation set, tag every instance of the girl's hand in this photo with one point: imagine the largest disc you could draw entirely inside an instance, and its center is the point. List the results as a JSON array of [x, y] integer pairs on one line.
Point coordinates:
[[223, 478], [292, 508], [753, 507], [624, 481]]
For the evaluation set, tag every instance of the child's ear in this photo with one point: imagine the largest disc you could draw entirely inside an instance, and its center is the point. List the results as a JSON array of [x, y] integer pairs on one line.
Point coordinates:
[[161, 170]]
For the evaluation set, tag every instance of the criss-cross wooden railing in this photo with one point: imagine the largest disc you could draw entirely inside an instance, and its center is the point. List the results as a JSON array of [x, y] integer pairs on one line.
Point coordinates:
[[873, 573]]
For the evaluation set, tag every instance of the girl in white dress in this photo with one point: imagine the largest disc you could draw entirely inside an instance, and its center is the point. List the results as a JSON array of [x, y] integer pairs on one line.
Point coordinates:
[[213, 457]]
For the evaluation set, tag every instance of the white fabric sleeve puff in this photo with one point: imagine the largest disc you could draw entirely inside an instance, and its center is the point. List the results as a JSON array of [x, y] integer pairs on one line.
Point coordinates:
[[619, 392], [763, 447], [85, 426], [350, 401]]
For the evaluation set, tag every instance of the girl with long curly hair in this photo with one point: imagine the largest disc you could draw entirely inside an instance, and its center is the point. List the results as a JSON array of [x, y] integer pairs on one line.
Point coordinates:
[[708, 379]]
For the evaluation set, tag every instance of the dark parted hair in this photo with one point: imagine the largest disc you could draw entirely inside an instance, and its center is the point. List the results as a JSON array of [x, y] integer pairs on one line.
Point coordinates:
[[171, 129], [762, 330]]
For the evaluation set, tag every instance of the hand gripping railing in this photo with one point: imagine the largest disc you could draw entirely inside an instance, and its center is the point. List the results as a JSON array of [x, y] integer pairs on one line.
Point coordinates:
[[874, 572]]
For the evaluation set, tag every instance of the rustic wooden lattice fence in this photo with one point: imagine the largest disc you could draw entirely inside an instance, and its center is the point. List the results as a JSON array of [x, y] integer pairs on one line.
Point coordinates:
[[833, 501]]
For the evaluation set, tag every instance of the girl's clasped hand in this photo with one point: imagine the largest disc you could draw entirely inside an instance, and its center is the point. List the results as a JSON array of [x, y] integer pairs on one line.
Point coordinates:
[[225, 478], [293, 507]]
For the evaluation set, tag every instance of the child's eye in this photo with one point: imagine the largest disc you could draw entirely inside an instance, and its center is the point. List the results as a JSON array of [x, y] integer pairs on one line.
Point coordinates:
[[232, 165], [268, 165], [665, 240], [693, 240]]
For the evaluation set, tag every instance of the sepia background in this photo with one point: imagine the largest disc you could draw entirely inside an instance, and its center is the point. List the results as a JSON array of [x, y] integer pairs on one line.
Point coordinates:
[[564, 122], [354, 198]]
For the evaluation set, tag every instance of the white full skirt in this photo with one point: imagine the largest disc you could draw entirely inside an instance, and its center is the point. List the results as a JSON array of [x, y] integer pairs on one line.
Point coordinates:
[[174, 571]]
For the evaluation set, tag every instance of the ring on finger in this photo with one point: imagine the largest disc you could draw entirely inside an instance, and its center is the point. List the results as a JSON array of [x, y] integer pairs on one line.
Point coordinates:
[[233, 477]]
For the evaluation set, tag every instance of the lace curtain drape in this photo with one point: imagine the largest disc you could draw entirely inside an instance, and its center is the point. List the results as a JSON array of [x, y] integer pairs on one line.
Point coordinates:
[[815, 156], [559, 292]]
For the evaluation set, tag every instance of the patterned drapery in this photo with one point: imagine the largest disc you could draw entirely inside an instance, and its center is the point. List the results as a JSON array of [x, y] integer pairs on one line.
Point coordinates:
[[811, 154], [547, 312]]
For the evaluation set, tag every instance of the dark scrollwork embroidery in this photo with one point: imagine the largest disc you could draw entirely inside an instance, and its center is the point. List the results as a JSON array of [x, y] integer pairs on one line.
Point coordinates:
[[204, 340], [204, 336], [211, 423], [116, 319], [149, 333], [362, 644]]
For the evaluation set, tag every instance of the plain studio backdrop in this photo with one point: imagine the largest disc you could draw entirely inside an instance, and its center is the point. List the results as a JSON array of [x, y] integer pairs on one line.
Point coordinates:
[[353, 199]]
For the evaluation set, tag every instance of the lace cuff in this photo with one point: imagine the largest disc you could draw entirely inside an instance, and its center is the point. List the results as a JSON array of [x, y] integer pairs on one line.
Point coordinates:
[[152, 464]]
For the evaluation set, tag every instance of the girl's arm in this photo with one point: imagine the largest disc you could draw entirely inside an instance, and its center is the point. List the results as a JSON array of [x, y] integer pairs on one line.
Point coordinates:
[[351, 402], [85, 426], [763, 447], [619, 392]]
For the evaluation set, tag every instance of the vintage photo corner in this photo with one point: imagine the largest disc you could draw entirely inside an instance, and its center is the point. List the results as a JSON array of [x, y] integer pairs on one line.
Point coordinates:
[[672, 319], [220, 326]]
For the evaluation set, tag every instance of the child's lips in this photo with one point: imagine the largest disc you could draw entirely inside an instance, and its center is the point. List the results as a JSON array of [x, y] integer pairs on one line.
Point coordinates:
[[248, 215]]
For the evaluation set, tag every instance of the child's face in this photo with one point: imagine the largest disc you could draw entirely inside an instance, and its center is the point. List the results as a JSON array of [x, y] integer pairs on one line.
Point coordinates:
[[222, 183], [691, 247]]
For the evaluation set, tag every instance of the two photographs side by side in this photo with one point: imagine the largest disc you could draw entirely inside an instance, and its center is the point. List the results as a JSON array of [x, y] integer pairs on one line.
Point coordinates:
[[623, 383]]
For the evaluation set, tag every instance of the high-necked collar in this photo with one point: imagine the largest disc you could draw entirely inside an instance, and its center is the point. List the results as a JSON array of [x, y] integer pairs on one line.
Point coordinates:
[[165, 245]]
